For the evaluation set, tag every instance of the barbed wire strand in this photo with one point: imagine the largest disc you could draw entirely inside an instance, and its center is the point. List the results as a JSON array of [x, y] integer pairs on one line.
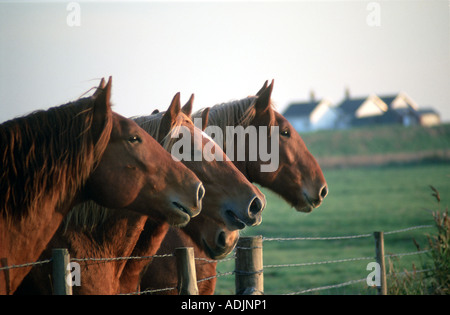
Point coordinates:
[[344, 260], [345, 237], [333, 286], [319, 262], [409, 229], [148, 291], [339, 285], [408, 254], [217, 275], [232, 257], [27, 264], [120, 258]]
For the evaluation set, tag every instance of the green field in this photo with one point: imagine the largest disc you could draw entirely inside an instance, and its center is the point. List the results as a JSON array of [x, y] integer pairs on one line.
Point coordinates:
[[361, 201], [377, 140]]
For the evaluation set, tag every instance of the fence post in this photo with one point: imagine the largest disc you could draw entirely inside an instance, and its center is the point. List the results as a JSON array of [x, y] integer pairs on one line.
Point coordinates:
[[4, 263], [379, 253], [249, 278], [61, 260], [187, 277]]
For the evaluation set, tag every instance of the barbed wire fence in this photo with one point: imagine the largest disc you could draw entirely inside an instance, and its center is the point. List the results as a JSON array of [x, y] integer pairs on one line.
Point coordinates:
[[251, 271], [380, 260]]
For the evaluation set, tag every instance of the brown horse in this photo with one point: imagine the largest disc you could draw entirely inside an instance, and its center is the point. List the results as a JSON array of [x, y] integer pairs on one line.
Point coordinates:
[[227, 190], [298, 178], [54, 159], [91, 231]]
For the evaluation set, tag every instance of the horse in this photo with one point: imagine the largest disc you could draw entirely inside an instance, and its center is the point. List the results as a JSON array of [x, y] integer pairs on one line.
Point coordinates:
[[227, 191], [54, 159], [298, 178], [93, 231]]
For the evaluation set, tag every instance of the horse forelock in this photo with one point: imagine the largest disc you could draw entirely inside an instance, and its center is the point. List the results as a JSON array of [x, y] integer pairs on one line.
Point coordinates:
[[48, 155]]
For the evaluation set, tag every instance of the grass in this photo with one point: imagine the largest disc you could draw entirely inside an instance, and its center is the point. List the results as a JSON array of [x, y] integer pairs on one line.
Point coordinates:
[[377, 140], [361, 201]]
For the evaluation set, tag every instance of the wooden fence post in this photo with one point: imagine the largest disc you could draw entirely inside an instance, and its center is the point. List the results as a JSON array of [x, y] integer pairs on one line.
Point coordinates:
[[60, 261], [379, 253], [249, 266], [4, 263], [187, 277]]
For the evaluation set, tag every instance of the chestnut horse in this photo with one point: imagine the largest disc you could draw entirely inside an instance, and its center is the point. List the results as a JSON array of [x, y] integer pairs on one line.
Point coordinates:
[[91, 231], [298, 179], [54, 159], [227, 191]]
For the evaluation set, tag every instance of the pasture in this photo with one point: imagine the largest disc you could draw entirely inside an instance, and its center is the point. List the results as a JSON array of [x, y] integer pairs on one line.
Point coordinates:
[[360, 201]]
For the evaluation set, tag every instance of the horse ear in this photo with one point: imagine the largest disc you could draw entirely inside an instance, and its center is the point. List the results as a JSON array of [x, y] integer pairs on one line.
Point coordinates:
[[101, 86], [102, 108], [169, 118], [187, 108], [263, 88], [205, 115], [156, 111], [263, 101]]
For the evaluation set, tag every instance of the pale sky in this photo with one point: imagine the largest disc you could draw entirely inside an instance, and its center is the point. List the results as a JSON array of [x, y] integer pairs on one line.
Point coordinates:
[[222, 50]]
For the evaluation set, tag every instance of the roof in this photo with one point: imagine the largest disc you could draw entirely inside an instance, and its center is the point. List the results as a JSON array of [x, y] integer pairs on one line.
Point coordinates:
[[427, 111], [300, 109], [351, 105], [388, 99]]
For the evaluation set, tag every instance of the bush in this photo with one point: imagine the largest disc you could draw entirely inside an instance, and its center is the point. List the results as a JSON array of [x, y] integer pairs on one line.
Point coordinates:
[[434, 278]]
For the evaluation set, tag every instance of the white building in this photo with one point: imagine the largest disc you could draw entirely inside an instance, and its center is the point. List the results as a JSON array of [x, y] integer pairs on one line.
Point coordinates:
[[312, 115], [364, 111]]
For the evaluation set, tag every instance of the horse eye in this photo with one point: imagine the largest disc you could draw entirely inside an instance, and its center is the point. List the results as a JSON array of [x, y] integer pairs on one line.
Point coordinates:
[[285, 133], [134, 139]]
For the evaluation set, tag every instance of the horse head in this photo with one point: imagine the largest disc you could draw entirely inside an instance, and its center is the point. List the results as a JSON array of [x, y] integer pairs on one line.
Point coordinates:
[[135, 172], [298, 178]]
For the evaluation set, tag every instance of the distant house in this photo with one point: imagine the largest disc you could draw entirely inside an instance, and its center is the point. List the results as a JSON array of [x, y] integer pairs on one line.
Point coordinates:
[[360, 111], [401, 109], [381, 110], [312, 115], [428, 117], [355, 112]]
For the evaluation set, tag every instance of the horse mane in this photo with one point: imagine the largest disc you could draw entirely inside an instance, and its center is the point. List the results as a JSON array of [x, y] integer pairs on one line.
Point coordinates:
[[152, 124], [90, 215], [234, 113], [85, 216], [48, 155]]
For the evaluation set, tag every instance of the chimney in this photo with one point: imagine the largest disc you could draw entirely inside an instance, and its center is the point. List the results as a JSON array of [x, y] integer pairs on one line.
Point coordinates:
[[347, 93], [312, 96]]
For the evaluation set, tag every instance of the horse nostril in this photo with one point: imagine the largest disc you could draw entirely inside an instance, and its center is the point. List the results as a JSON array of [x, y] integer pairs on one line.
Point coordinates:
[[324, 192], [200, 192], [256, 206], [221, 240]]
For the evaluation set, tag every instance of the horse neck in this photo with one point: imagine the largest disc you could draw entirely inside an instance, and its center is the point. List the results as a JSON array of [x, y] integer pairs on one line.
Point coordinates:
[[124, 235], [115, 237], [149, 241]]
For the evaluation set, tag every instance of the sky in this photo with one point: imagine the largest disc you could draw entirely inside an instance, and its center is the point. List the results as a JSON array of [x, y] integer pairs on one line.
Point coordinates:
[[53, 52]]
